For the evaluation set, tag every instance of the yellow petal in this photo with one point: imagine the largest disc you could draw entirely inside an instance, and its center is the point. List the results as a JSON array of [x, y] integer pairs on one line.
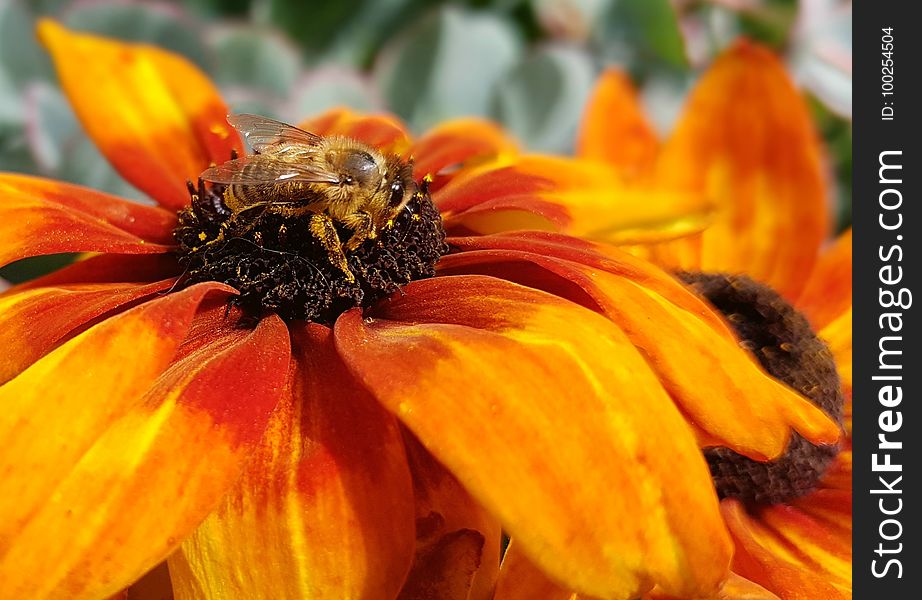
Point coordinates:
[[552, 420], [829, 290], [443, 509], [101, 480], [577, 197], [740, 406], [324, 508], [614, 129], [789, 553], [520, 579], [746, 141], [153, 114]]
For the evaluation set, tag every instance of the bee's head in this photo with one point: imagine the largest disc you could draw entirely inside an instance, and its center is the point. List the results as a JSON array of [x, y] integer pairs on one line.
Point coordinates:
[[400, 184]]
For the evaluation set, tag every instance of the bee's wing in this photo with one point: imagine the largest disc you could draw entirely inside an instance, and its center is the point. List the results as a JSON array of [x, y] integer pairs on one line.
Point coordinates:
[[263, 169], [265, 135]]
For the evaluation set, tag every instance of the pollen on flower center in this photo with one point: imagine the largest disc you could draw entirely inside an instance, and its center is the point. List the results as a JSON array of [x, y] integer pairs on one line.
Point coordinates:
[[277, 264], [785, 345]]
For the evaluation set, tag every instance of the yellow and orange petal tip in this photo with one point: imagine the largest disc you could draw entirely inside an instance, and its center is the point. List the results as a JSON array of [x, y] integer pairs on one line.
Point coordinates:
[[157, 139], [746, 140], [614, 128]]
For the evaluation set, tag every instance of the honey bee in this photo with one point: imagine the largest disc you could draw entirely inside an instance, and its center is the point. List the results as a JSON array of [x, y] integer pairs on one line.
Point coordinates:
[[329, 180]]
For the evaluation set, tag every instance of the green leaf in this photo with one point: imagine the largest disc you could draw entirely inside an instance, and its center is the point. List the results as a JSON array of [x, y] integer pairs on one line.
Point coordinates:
[[159, 24], [11, 109], [330, 87], [21, 56], [34, 266], [51, 124], [254, 58], [446, 66], [542, 99], [314, 24], [645, 30], [770, 22], [83, 164], [249, 100]]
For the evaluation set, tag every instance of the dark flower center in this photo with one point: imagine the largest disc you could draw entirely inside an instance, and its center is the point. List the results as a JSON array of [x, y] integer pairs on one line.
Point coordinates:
[[785, 345], [278, 266]]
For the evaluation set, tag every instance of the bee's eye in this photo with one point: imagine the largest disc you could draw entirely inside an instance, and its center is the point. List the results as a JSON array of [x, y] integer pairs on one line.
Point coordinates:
[[396, 193]]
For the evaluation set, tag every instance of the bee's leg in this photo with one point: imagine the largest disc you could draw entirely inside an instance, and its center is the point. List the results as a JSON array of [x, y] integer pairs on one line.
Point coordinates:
[[322, 228], [363, 228]]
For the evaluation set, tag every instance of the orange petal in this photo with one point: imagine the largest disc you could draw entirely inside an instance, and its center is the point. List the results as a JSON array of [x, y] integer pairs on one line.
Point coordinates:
[[446, 568], [126, 473], [831, 508], [747, 142], [33, 321], [615, 129], [789, 553], [580, 198], [149, 223], [740, 407], [324, 506], [153, 114], [520, 579], [459, 145], [734, 588], [39, 216], [384, 131], [443, 509], [829, 290], [541, 408], [838, 335], [109, 268]]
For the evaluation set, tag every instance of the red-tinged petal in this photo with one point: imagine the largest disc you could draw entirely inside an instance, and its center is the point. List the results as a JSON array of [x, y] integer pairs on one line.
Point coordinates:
[[131, 475], [831, 508], [747, 142], [31, 225], [383, 131], [109, 268], [149, 223], [741, 406], [33, 321], [520, 579], [580, 198], [552, 397], [615, 129], [445, 569], [443, 509], [455, 147], [324, 507], [59, 406], [819, 569], [153, 114], [829, 290]]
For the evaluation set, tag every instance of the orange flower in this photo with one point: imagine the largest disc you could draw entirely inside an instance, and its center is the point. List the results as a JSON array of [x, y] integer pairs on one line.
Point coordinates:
[[746, 141], [523, 387]]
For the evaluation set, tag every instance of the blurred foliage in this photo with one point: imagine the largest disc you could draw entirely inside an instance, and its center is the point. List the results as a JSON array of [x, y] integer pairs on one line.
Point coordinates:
[[529, 64]]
